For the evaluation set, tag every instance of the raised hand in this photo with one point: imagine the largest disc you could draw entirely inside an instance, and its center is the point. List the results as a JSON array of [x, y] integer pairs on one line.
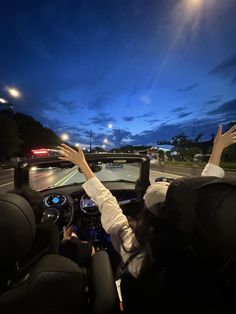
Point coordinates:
[[224, 140], [70, 154]]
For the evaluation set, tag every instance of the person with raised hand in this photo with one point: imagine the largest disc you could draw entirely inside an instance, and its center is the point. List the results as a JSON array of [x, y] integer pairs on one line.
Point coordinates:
[[135, 244]]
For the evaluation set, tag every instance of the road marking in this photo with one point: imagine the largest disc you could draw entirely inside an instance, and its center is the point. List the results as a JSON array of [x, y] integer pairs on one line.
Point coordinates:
[[6, 184], [66, 178]]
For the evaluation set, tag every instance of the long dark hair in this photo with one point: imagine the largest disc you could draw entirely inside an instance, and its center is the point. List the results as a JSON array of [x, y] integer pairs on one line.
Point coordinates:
[[156, 236]]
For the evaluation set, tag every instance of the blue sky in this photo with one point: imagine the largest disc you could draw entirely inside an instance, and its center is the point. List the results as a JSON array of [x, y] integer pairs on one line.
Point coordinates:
[[151, 68]]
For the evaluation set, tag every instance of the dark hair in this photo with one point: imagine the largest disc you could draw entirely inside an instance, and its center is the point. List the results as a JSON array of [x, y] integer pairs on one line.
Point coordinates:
[[156, 236]]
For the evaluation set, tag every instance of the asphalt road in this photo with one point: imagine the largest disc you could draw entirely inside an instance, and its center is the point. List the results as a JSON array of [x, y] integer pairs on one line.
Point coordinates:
[[41, 178]]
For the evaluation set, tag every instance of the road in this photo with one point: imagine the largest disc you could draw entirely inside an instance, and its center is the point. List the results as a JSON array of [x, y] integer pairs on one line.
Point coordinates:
[[184, 171], [41, 178]]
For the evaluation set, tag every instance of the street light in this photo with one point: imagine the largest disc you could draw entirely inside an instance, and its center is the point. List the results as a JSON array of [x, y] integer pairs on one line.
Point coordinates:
[[3, 101], [110, 126], [13, 92], [65, 137], [105, 141]]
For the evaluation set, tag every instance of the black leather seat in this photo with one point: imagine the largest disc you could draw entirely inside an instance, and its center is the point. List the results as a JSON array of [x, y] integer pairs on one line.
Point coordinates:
[[201, 275], [34, 279]]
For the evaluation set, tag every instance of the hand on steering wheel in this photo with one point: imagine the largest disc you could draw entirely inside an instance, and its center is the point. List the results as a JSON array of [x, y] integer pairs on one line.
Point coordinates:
[[68, 233]]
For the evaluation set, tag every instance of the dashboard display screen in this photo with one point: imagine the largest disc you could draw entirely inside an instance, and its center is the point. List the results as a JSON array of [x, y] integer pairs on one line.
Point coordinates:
[[87, 203], [55, 199]]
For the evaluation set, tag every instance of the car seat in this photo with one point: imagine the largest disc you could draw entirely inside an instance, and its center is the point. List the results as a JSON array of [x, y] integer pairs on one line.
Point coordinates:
[[34, 279], [200, 276]]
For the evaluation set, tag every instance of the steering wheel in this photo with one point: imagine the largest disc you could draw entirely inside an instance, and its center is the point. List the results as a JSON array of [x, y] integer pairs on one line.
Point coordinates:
[[59, 208]]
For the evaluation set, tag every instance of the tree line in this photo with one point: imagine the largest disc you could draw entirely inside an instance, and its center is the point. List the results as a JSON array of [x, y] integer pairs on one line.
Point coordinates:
[[19, 133]]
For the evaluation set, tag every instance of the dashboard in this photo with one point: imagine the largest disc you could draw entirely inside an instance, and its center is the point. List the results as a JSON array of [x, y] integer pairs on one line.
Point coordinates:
[[71, 205]]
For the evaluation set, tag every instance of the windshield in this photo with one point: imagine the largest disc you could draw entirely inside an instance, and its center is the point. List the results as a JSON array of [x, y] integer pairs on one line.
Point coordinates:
[[43, 178]]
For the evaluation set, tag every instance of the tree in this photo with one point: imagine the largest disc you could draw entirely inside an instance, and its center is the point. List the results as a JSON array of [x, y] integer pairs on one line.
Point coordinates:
[[9, 140], [34, 134], [161, 154]]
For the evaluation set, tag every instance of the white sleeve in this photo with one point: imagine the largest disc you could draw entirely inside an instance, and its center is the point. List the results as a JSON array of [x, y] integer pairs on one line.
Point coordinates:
[[112, 217], [212, 171], [114, 222]]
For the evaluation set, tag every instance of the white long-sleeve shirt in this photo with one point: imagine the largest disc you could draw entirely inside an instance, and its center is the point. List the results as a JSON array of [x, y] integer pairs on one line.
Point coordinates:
[[115, 222]]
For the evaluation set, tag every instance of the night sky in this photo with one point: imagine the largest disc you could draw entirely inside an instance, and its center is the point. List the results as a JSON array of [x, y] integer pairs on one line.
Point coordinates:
[[152, 69]]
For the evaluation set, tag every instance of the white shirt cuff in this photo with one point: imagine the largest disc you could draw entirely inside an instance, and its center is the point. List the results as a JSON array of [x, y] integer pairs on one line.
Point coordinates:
[[213, 171]]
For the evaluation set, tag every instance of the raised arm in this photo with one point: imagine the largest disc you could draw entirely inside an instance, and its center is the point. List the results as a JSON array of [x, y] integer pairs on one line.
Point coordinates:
[[77, 158], [221, 141]]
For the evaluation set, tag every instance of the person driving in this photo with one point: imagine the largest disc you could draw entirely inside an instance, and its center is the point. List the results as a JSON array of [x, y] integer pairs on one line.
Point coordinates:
[[136, 245], [70, 246]]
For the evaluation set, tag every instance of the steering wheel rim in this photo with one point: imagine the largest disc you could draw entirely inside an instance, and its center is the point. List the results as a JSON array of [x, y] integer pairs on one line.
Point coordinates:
[[60, 215]]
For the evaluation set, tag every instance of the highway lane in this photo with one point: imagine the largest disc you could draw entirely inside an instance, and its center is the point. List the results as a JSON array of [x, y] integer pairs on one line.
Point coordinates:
[[42, 179]]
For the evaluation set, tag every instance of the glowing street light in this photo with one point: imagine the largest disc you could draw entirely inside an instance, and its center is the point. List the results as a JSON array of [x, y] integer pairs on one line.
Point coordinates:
[[196, 2], [65, 137], [3, 101], [105, 141], [13, 92], [110, 126]]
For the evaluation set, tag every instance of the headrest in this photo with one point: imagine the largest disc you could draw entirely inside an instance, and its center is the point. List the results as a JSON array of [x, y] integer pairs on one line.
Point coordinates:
[[204, 209], [17, 227], [215, 217]]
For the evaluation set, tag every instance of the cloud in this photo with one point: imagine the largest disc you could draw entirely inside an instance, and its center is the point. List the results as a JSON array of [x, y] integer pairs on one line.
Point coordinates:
[[70, 105], [148, 114], [34, 106], [102, 120], [129, 118], [227, 110], [225, 68], [152, 121], [100, 101], [234, 79], [191, 128], [132, 118], [178, 109], [145, 99], [184, 114], [214, 100], [188, 88]]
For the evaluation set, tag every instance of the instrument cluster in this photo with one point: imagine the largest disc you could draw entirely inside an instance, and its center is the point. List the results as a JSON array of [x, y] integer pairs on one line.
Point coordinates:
[[55, 200]]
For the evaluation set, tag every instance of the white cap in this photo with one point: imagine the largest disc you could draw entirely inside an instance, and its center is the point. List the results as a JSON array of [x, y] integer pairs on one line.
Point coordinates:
[[156, 193]]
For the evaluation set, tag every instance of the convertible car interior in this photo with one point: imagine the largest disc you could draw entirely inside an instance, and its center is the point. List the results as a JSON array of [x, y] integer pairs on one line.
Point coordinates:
[[34, 278]]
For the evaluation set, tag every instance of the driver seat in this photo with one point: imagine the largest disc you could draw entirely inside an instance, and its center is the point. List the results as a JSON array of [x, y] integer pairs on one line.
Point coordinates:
[[33, 279]]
